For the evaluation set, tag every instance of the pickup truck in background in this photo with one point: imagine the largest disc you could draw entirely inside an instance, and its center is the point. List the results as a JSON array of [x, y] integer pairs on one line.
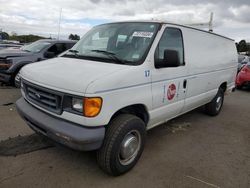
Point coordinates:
[[13, 59], [9, 45]]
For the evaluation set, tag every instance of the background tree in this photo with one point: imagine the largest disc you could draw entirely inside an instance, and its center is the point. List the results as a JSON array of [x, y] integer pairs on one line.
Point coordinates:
[[4, 36], [26, 38], [242, 46], [74, 37]]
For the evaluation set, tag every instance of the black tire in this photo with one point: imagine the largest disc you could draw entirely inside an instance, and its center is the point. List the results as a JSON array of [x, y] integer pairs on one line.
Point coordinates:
[[108, 156], [239, 87], [13, 77], [214, 107], [16, 83]]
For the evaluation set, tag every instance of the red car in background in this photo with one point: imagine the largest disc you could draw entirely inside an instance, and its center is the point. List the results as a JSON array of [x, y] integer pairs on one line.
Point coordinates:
[[243, 77]]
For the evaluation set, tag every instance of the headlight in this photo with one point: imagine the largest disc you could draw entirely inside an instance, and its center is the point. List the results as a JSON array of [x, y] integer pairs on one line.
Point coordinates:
[[77, 104], [88, 106]]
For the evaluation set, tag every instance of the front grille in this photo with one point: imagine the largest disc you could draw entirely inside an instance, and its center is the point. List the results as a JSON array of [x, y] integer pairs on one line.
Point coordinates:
[[43, 97]]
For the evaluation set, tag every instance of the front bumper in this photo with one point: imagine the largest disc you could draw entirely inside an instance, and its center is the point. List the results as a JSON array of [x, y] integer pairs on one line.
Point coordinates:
[[243, 80], [246, 84], [67, 133]]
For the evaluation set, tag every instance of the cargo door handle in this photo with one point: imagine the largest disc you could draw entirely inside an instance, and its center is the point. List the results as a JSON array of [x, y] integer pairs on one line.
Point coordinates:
[[185, 84]]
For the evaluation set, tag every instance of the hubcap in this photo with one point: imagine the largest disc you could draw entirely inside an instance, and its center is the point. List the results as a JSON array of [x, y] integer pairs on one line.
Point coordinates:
[[130, 147], [218, 103]]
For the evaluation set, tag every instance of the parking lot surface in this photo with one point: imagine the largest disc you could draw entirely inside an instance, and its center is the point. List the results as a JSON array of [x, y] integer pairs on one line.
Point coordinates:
[[194, 150]]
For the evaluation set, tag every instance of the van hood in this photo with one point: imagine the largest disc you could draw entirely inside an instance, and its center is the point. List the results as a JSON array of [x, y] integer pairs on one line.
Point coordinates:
[[68, 74], [13, 52]]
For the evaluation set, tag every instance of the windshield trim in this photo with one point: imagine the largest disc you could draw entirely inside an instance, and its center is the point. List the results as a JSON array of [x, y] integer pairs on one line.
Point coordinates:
[[96, 59]]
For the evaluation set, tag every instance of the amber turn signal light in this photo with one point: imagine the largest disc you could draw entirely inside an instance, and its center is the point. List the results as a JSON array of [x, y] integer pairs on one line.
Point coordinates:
[[92, 106]]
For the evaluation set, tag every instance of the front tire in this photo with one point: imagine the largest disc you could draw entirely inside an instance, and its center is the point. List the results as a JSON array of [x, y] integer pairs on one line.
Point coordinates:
[[17, 80], [123, 144], [214, 107]]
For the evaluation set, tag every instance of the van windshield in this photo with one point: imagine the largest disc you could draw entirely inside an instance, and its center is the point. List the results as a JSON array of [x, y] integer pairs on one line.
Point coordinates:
[[123, 43]]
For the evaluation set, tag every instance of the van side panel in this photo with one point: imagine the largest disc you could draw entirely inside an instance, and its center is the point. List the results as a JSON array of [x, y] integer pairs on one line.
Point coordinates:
[[211, 61]]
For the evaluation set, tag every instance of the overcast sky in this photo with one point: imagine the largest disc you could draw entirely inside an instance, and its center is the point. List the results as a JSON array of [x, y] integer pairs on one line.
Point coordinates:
[[231, 17]]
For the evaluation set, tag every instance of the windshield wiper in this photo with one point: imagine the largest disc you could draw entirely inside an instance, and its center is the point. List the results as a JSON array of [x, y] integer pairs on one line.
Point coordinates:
[[110, 54], [75, 52], [26, 50]]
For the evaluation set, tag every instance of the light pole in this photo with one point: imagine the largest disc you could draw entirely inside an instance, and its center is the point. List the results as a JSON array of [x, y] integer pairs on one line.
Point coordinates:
[[59, 24]]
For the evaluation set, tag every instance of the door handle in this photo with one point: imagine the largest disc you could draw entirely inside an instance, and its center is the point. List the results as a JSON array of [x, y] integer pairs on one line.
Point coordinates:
[[185, 84]]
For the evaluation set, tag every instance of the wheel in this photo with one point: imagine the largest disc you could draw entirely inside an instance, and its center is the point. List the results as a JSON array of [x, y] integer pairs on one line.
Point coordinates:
[[239, 87], [123, 144], [17, 80], [214, 107]]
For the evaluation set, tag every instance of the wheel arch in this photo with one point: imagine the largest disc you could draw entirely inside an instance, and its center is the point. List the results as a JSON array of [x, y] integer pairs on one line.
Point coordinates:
[[17, 67], [139, 110], [223, 86]]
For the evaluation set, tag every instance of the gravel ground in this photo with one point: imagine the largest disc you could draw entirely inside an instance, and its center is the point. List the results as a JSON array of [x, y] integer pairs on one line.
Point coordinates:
[[193, 150]]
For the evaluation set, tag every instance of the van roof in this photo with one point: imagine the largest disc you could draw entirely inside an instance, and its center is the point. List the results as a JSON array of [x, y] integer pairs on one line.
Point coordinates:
[[170, 23]]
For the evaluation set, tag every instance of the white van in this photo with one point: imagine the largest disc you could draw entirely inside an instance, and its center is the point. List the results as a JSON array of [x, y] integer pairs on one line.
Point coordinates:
[[122, 79]]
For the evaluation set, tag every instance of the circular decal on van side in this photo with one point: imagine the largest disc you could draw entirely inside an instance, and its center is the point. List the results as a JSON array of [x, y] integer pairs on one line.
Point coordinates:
[[171, 92]]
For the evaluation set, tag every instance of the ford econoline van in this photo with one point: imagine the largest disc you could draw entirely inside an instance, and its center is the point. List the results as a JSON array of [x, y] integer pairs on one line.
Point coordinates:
[[122, 79]]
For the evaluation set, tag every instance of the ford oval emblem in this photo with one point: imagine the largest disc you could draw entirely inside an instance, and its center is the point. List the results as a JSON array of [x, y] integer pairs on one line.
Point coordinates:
[[38, 95]]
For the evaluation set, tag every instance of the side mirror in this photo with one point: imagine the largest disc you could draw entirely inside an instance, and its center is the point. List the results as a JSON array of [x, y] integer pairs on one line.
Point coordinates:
[[49, 54], [170, 59]]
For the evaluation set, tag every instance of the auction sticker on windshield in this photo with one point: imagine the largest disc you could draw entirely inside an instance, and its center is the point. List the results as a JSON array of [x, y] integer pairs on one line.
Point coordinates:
[[143, 34]]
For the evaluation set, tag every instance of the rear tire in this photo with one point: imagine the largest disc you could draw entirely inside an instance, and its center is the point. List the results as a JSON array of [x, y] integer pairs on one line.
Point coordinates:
[[214, 107], [123, 144]]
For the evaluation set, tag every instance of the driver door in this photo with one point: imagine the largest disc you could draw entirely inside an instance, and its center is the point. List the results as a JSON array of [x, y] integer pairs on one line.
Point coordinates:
[[168, 83]]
